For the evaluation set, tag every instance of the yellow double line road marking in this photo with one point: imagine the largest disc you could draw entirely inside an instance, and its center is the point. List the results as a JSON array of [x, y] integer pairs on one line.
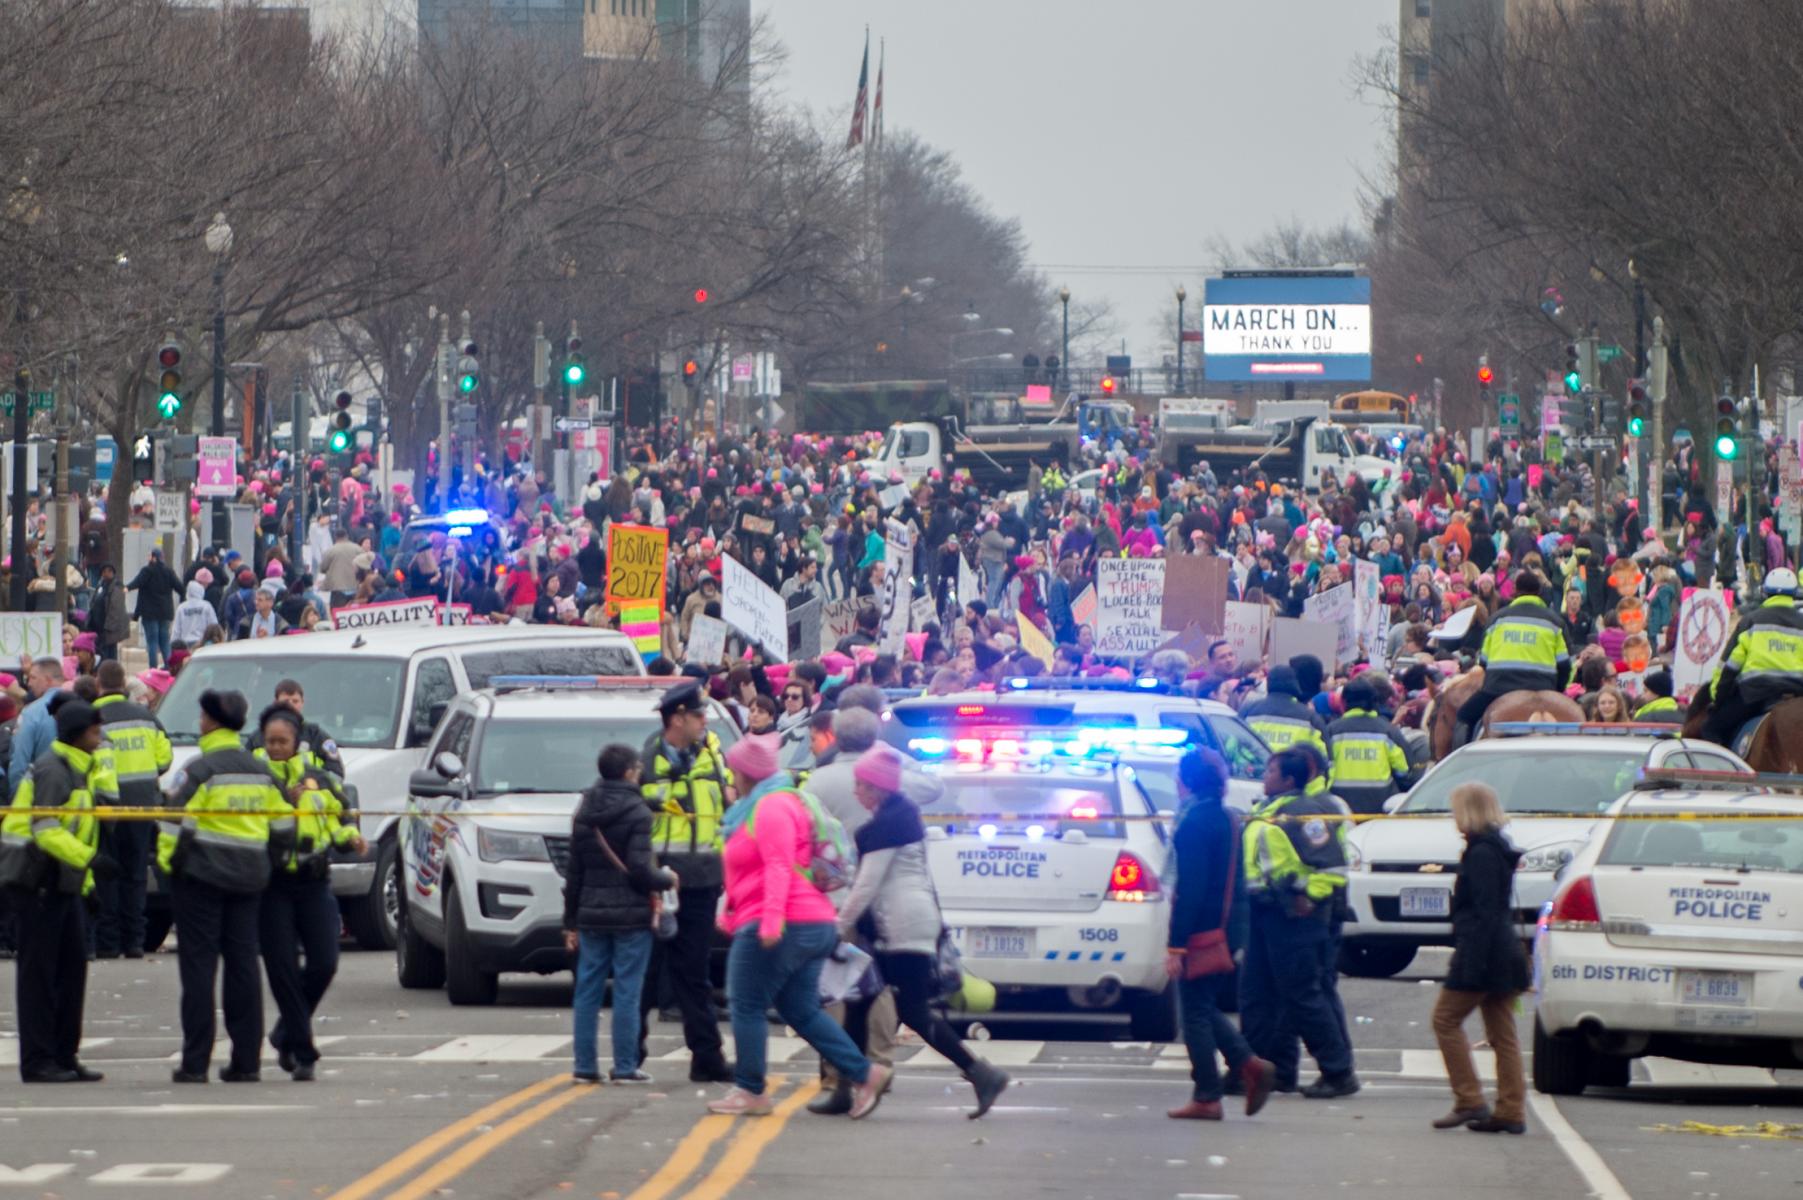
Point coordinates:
[[742, 1153], [428, 1148]]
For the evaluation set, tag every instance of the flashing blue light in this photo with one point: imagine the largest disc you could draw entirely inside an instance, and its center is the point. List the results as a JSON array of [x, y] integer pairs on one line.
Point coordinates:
[[1399, 442], [929, 747], [1035, 832], [1040, 748], [461, 531], [987, 832], [1019, 683], [1148, 683], [467, 516], [1120, 738]]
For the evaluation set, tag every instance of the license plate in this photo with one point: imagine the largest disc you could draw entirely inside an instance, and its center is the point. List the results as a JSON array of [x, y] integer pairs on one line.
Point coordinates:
[[999, 943], [1426, 902], [1730, 989]]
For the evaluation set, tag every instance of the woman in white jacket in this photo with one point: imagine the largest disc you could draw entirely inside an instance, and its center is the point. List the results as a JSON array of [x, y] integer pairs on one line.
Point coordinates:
[[193, 618], [892, 901]]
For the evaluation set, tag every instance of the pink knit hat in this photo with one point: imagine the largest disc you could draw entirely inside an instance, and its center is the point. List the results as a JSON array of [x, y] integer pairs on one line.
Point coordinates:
[[880, 767], [753, 759]]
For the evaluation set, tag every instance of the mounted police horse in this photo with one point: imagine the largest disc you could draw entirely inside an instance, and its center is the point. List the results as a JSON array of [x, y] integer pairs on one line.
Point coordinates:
[[1442, 722]]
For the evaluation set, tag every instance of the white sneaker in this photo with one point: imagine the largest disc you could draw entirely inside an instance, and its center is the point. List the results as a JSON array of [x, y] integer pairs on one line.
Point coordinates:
[[741, 1103], [867, 1095]]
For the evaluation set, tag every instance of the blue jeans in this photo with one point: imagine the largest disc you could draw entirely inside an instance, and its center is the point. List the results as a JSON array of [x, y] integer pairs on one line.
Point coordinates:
[[627, 955], [787, 976], [1205, 1030], [156, 641]]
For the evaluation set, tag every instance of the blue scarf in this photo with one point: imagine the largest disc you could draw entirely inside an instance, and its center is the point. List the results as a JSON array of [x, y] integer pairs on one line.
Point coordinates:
[[743, 808]]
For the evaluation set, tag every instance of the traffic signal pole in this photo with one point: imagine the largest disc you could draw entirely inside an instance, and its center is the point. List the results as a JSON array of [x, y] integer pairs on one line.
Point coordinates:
[[21, 573], [445, 367], [1660, 369], [222, 527]]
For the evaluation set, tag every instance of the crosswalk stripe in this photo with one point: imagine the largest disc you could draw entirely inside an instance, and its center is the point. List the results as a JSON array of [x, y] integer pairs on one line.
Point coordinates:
[[489, 1048], [1669, 1072], [1001, 1054], [777, 1050]]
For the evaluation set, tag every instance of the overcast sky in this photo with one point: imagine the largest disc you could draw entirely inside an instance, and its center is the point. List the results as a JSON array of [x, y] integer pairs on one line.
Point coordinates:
[[1119, 132]]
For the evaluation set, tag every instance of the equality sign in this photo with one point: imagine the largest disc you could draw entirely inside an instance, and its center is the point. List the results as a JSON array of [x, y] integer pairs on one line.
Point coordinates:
[[422, 610], [637, 556]]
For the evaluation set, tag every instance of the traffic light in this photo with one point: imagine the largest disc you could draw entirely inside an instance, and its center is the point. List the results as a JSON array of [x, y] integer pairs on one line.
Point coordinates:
[[469, 370], [169, 383], [1574, 371], [701, 295], [339, 440], [1485, 377], [574, 369], [1727, 432], [1636, 409], [691, 370], [1108, 385]]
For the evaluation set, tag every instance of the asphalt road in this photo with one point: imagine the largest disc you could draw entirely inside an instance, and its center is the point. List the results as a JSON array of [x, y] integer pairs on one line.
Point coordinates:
[[418, 1099]]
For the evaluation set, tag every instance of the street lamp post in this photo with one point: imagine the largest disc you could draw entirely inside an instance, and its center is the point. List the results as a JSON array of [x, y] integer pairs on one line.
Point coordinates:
[[219, 245], [1181, 297], [1064, 355]]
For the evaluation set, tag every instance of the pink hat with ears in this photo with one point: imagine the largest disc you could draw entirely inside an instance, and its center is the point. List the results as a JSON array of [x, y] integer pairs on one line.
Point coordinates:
[[917, 644]]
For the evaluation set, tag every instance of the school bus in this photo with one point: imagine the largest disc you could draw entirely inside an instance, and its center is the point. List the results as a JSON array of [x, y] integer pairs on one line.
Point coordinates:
[[1357, 408]]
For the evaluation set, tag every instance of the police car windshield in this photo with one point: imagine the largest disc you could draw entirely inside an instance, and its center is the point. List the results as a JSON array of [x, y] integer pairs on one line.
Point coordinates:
[[1014, 805], [355, 700], [536, 755], [1578, 785], [1716, 845]]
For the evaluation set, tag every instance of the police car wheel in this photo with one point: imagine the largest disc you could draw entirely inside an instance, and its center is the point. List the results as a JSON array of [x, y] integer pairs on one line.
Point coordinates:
[[463, 982], [372, 917], [1610, 1070], [417, 962], [1152, 1016], [1374, 960], [1561, 1064]]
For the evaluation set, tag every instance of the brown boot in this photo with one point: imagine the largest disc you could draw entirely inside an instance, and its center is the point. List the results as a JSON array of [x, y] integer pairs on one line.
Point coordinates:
[[1197, 1110]]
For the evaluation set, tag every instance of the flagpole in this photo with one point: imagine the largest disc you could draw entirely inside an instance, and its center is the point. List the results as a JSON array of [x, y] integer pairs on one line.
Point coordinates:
[[873, 166]]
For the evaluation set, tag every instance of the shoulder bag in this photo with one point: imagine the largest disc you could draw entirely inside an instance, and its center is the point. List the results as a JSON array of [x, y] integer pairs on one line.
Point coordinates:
[[663, 914], [1207, 953]]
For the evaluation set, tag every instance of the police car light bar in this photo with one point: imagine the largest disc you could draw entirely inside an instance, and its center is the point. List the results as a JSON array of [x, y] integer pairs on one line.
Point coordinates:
[[1082, 743], [1588, 728], [1082, 683], [467, 516], [569, 683], [1690, 779]]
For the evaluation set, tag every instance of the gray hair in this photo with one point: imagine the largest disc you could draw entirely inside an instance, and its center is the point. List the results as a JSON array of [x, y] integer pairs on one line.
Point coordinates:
[[866, 696], [856, 729]]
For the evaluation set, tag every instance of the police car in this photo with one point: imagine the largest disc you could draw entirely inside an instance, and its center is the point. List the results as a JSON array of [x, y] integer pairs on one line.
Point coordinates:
[[1048, 856], [1554, 784], [486, 837], [1677, 932], [1056, 703]]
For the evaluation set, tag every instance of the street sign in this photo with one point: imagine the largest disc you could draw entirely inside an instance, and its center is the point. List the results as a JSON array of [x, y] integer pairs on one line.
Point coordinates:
[[1790, 491], [217, 470], [1593, 442], [1508, 411], [40, 402], [1606, 354], [566, 424], [169, 512], [1724, 493]]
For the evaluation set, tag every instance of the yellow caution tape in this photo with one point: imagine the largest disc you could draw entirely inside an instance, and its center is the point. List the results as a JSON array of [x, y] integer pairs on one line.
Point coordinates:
[[1766, 1130]]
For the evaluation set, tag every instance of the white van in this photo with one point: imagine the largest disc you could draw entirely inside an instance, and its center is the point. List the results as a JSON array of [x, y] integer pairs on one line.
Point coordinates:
[[379, 693]]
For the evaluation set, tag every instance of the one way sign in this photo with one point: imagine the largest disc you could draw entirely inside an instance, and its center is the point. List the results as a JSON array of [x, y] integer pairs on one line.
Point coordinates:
[[566, 424]]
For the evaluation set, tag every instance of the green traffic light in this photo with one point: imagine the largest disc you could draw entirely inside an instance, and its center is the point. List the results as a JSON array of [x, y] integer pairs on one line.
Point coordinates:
[[168, 404], [1636, 426], [467, 382], [339, 441], [1726, 447], [573, 374], [1574, 382]]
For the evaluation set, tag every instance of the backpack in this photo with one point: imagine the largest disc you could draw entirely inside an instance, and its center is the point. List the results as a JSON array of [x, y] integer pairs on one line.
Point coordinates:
[[832, 858]]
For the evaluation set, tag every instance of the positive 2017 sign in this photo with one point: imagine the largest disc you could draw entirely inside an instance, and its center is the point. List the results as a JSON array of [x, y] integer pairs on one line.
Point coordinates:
[[636, 561]]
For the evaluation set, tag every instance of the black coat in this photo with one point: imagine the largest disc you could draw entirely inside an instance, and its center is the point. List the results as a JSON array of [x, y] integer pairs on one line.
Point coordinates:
[[158, 590], [1206, 844], [597, 898], [1486, 949]]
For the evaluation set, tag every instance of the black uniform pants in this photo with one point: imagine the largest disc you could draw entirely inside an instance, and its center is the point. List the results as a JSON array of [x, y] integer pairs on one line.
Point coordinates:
[[298, 917], [51, 978], [212, 925], [119, 929], [687, 957], [1475, 706]]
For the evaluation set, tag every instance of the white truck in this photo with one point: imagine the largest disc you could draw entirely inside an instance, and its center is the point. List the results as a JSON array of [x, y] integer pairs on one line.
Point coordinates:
[[1299, 451]]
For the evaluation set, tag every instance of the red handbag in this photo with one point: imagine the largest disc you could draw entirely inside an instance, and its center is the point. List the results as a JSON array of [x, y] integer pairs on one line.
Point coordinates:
[[1207, 953]]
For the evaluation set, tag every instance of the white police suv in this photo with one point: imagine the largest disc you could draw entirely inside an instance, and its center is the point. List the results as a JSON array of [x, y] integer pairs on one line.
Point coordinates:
[[1554, 779], [1677, 932], [486, 836], [1049, 858]]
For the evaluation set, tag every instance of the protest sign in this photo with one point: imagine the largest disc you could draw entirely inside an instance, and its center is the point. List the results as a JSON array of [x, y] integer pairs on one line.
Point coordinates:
[[969, 588], [422, 610], [838, 619], [30, 634], [1455, 627], [751, 524], [1129, 597], [1083, 608], [454, 614], [753, 608], [892, 496], [1290, 637], [1373, 613], [636, 561], [1704, 621], [1337, 606], [921, 612], [1247, 628], [1032, 641], [707, 640], [641, 620], [898, 569], [1195, 592], [804, 624]]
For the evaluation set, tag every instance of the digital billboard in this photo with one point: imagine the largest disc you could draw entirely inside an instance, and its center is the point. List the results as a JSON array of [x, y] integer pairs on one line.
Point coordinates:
[[1287, 328]]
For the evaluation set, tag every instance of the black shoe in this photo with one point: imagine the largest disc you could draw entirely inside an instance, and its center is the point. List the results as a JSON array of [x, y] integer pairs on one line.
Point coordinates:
[[85, 1074], [133, 954], [106, 954], [1281, 1088], [180, 1076], [1326, 1088], [301, 1073], [1462, 1116], [285, 1060], [990, 1082], [586, 1076], [1497, 1125], [720, 1072], [835, 1103], [54, 1075], [228, 1075]]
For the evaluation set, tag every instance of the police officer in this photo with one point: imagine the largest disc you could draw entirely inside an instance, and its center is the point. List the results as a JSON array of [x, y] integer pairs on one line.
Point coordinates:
[[1524, 650], [314, 740], [1294, 871], [1370, 761], [1662, 708], [1763, 663], [48, 865], [298, 913], [235, 821], [1281, 718], [688, 785], [140, 754]]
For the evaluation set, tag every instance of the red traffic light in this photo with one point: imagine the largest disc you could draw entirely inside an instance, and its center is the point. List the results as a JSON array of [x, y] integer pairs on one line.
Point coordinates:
[[690, 369], [1485, 375], [701, 295], [169, 356], [1108, 385]]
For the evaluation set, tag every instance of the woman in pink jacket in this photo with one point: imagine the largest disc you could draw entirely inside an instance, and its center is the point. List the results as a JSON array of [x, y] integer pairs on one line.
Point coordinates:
[[782, 929]]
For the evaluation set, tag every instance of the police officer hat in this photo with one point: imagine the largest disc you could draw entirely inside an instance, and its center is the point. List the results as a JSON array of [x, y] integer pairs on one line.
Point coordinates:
[[229, 709], [1282, 681], [74, 717], [684, 697]]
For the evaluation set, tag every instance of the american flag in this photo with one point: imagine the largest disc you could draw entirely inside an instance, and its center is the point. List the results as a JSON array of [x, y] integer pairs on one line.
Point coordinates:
[[858, 105], [876, 108]]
